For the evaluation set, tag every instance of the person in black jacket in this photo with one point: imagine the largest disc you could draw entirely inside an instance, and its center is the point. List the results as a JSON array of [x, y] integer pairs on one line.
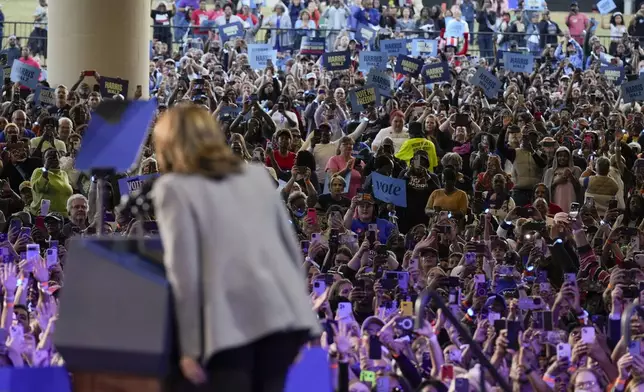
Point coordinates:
[[486, 18]]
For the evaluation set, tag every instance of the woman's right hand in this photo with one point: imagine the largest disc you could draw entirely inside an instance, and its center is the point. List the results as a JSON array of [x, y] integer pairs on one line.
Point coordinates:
[[192, 370], [624, 366]]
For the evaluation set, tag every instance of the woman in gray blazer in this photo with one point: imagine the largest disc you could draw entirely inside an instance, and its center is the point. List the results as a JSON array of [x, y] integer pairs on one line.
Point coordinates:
[[231, 257]]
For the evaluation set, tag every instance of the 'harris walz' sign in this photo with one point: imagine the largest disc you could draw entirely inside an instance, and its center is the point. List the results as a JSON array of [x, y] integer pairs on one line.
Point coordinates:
[[114, 86], [337, 61]]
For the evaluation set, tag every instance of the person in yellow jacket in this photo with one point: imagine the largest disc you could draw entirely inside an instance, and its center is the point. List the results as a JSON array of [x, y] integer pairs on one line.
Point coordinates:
[[417, 141]]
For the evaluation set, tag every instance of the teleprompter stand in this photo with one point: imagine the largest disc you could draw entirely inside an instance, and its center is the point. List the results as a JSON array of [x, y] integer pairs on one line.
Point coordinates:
[[115, 329]]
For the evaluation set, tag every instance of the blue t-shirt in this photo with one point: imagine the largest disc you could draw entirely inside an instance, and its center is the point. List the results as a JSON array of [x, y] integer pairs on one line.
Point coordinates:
[[27, 134], [385, 228]]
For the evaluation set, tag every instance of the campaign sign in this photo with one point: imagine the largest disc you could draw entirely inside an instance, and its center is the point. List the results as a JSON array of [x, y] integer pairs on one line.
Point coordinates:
[[534, 5], [365, 34], [364, 96], [605, 6], [518, 62], [337, 61], [313, 45], [114, 86], [383, 82], [408, 66], [633, 91], [394, 47], [434, 73], [44, 96], [454, 28], [230, 31], [25, 74], [259, 54], [487, 82], [424, 47], [613, 73], [372, 60], [390, 190], [130, 185]]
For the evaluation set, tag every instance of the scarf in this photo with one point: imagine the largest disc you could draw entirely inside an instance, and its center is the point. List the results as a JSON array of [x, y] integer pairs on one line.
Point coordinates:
[[462, 149]]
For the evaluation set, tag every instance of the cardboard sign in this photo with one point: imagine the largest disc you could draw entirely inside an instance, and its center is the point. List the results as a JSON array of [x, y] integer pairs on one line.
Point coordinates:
[[408, 66], [365, 34], [435, 73], [337, 61], [424, 47], [382, 81], [113, 86], [613, 73], [534, 5], [454, 28], [487, 82], [362, 97], [131, 185], [313, 45], [605, 6], [518, 62], [394, 47], [44, 96], [25, 74], [633, 91], [259, 54], [372, 60], [230, 31], [389, 190]]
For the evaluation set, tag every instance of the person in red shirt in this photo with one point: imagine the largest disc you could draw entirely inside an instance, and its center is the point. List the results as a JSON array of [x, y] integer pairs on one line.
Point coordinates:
[[282, 159], [200, 16]]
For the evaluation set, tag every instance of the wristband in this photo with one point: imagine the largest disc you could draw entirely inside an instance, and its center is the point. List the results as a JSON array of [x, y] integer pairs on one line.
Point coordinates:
[[9, 304], [620, 381], [43, 286], [609, 242]]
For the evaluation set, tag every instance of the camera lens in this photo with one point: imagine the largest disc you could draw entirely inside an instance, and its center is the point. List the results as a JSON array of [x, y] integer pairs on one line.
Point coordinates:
[[316, 284]]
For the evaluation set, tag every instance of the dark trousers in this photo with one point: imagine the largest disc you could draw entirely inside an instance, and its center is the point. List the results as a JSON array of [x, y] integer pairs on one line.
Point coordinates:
[[261, 366], [486, 46]]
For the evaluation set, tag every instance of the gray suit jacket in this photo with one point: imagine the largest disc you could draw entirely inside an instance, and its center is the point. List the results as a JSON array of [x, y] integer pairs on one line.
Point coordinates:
[[231, 238]]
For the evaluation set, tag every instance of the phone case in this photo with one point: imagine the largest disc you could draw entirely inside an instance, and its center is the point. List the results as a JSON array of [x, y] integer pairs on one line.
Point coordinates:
[[588, 335], [319, 287], [407, 308], [447, 373], [375, 348], [563, 351]]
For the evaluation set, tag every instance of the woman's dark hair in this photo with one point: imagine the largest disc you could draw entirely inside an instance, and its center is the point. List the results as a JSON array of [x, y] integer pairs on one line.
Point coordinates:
[[305, 158], [612, 19], [49, 121], [436, 384], [629, 215], [449, 174]]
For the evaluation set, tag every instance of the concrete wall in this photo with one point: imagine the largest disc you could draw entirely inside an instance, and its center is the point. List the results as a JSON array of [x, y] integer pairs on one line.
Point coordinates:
[[109, 36]]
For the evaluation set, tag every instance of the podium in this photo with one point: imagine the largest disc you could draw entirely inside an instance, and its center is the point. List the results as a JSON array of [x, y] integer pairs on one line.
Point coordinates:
[[116, 326]]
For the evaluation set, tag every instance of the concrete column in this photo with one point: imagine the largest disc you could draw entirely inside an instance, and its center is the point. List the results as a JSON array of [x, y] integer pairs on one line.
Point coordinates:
[[109, 36]]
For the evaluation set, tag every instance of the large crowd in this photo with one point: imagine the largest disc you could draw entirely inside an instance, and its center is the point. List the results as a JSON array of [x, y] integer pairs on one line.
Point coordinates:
[[521, 206]]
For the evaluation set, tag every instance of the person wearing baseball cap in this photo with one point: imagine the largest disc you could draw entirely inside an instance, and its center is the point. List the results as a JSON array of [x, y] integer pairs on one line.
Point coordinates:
[[362, 213]]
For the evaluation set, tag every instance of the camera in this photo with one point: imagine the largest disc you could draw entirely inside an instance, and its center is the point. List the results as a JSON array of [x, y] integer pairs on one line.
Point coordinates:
[[406, 324], [506, 270], [630, 292]]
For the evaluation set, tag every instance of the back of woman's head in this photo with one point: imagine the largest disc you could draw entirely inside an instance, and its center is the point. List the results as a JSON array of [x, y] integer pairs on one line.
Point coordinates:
[[305, 158], [188, 140]]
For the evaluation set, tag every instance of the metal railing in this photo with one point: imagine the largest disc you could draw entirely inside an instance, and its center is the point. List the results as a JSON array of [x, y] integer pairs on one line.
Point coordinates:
[[175, 35]]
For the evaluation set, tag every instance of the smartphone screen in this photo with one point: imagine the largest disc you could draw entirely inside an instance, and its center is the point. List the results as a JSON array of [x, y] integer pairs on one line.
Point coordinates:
[[547, 320], [304, 245], [375, 348], [462, 385], [345, 310], [44, 207], [447, 373]]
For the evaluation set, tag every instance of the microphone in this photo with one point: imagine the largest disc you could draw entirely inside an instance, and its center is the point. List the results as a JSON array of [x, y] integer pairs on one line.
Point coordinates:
[[139, 202]]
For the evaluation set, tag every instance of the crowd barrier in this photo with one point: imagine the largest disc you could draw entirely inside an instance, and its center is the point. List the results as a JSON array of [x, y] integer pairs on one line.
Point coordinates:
[[23, 30], [310, 373]]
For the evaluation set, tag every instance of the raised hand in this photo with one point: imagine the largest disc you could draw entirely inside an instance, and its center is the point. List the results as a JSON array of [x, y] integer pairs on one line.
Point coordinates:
[[41, 272], [9, 277]]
